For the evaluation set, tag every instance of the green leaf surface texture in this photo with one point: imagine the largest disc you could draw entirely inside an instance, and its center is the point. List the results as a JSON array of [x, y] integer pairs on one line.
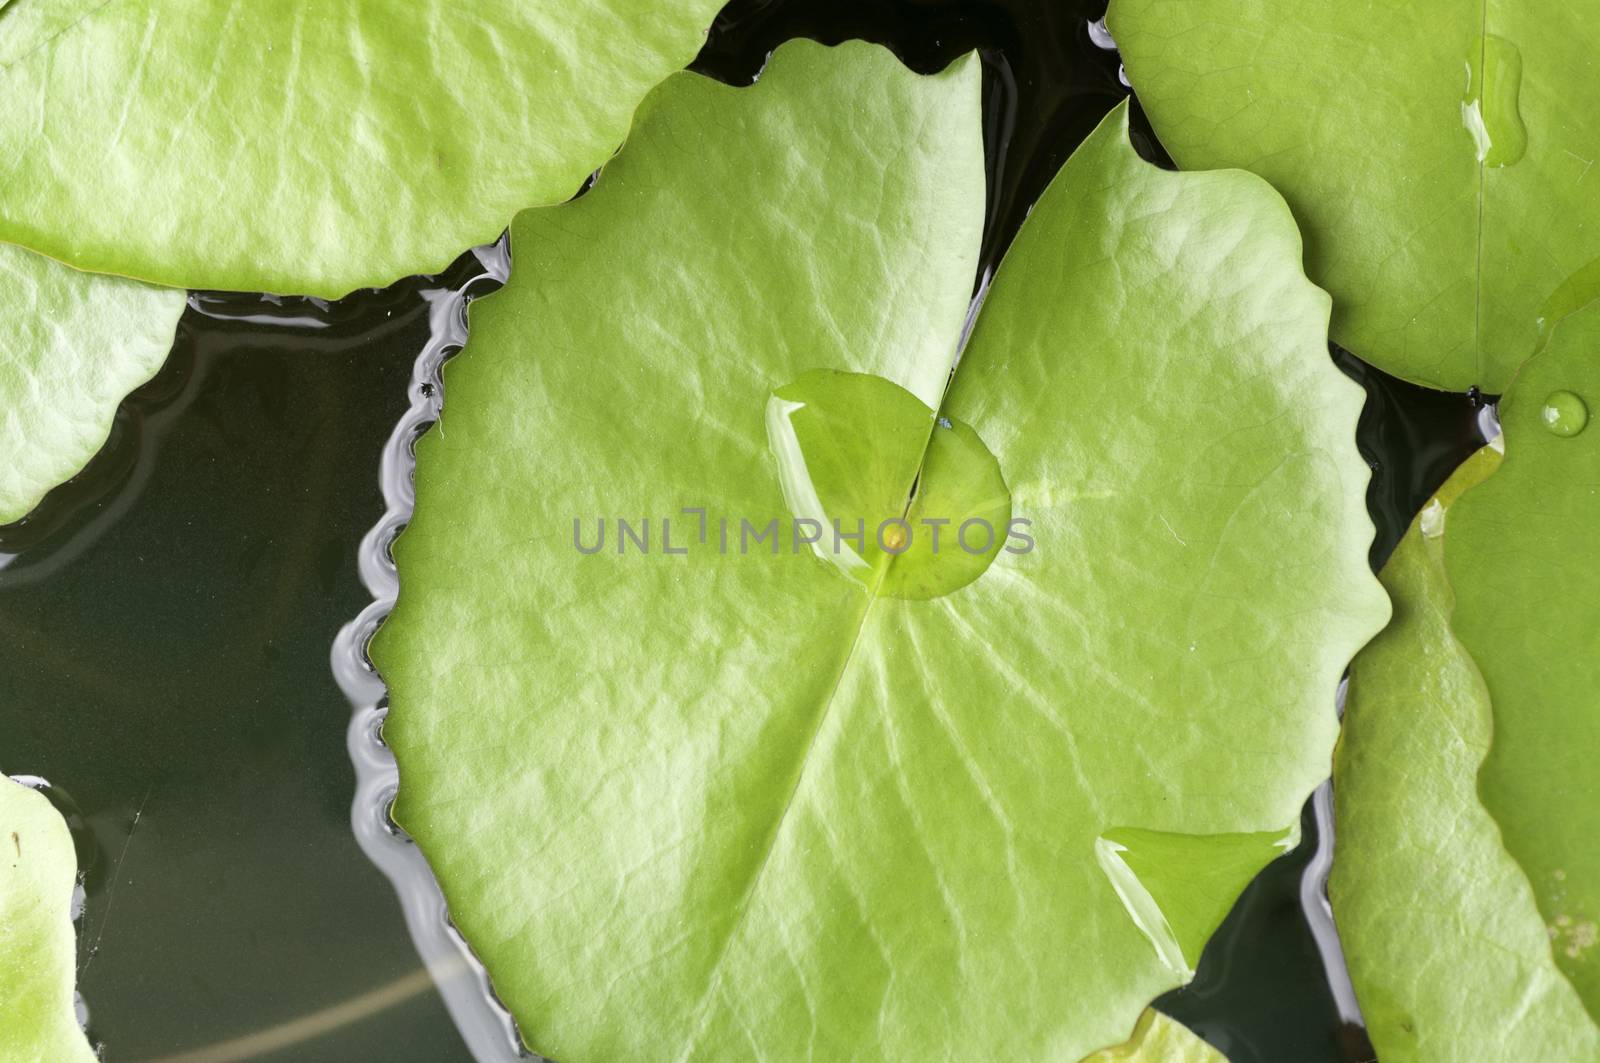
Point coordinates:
[[72, 345], [38, 870], [1446, 947], [310, 146], [1439, 156], [740, 804], [1523, 552]]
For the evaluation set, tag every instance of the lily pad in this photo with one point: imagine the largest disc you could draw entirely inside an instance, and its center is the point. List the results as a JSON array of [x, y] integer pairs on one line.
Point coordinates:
[[72, 345], [1524, 555], [1439, 155], [1158, 1039], [38, 869], [736, 801], [1446, 947], [310, 147]]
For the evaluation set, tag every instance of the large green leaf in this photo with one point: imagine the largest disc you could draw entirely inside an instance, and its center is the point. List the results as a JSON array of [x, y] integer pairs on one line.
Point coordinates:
[[1524, 555], [1447, 949], [723, 804], [1437, 153], [72, 345], [37, 946], [310, 146]]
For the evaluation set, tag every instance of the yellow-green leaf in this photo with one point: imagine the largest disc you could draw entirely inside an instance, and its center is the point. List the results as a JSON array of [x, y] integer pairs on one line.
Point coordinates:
[[38, 868], [1446, 947], [1438, 154], [72, 345], [1523, 554], [310, 146], [736, 802]]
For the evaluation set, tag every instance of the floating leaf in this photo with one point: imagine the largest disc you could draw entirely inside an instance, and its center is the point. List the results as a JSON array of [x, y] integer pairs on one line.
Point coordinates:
[[1524, 556], [38, 869], [1447, 950], [1439, 156], [72, 345], [746, 801], [310, 146], [1158, 1039]]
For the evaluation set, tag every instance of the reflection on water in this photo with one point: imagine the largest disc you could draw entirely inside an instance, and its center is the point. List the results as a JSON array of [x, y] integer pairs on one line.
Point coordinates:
[[485, 1024], [296, 1032]]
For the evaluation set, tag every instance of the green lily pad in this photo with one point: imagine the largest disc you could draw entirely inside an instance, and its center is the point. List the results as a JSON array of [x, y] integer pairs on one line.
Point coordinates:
[[310, 147], [1524, 555], [1446, 947], [737, 801], [1439, 156], [72, 345], [1158, 1039], [38, 869]]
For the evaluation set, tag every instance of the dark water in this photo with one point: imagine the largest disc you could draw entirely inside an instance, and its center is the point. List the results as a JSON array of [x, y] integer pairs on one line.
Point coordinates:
[[168, 670], [166, 622]]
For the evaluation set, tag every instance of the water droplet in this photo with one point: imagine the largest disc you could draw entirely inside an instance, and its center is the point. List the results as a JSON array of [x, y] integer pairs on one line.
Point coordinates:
[[1489, 426], [1100, 36], [1564, 413], [1173, 885], [1489, 111], [1142, 908], [855, 456], [1431, 521]]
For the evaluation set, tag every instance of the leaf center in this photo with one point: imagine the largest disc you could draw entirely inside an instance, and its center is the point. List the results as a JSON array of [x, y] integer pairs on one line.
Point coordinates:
[[885, 491]]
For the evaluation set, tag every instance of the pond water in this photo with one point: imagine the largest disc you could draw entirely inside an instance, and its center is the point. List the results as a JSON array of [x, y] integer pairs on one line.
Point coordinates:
[[168, 620]]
